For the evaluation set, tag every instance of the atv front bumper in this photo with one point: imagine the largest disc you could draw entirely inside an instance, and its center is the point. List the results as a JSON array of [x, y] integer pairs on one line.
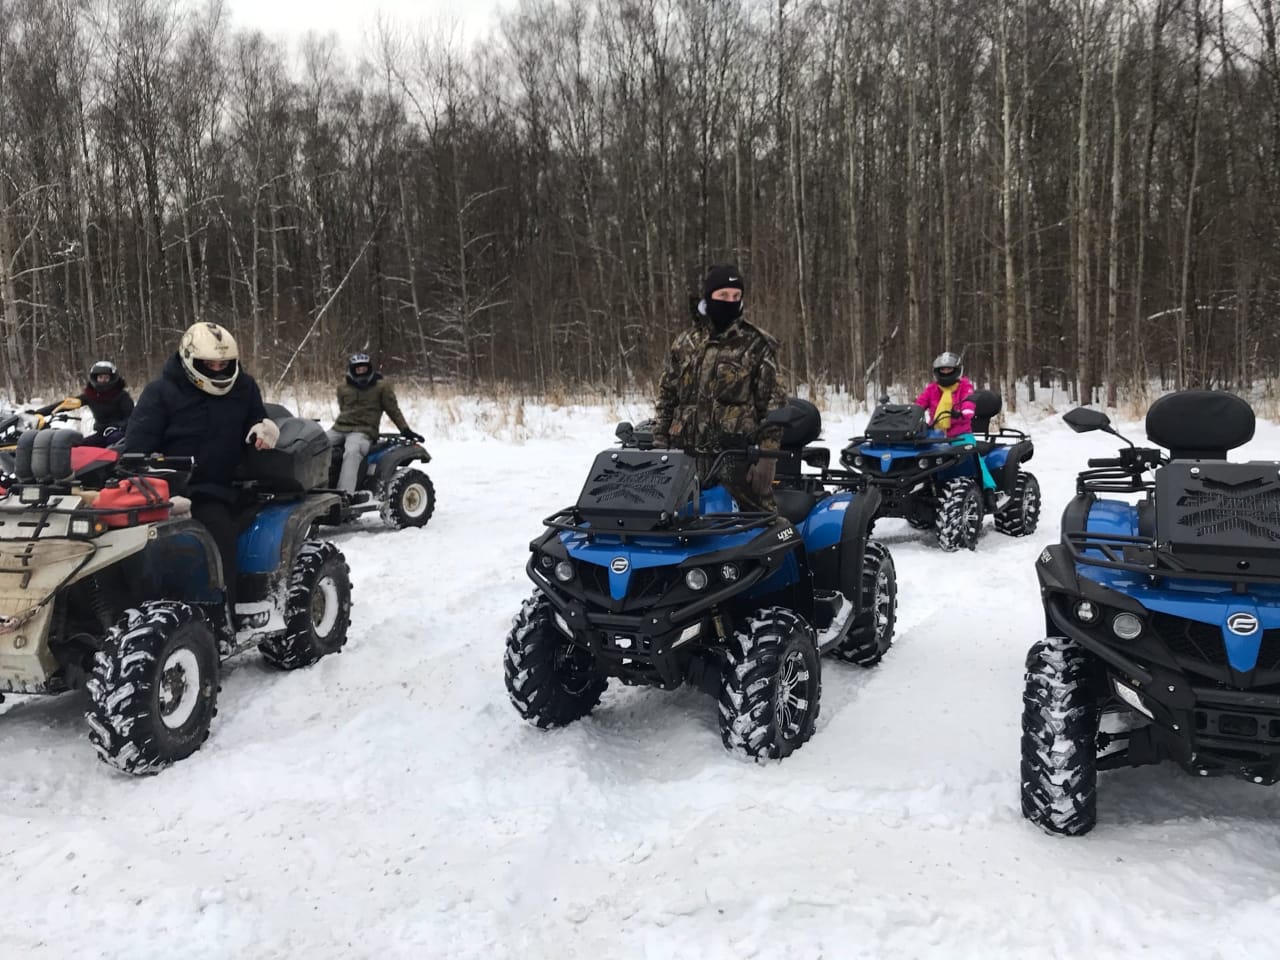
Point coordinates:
[[647, 649], [1210, 720]]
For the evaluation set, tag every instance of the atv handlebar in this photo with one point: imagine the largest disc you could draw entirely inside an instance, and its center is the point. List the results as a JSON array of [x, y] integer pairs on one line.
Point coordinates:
[[1096, 462]]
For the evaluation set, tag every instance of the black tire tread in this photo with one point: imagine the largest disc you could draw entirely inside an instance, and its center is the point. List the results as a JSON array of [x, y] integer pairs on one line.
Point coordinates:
[[863, 647], [953, 532], [530, 670], [1013, 520], [298, 646], [747, 723], [1059, 775], [391, 511], [121, 687]]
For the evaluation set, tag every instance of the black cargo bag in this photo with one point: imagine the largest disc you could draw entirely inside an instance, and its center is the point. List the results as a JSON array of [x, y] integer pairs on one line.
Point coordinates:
[[896, 423], [299, 462], [636, 490], [1219, 517]]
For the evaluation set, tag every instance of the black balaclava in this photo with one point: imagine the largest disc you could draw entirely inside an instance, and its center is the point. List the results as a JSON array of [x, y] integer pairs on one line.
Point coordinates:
[[722, 313]]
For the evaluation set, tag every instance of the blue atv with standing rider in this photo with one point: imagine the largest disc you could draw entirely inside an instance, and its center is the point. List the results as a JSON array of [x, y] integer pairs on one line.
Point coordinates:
[[108, 584], [941, 484], [652, 580], [1162, 614]]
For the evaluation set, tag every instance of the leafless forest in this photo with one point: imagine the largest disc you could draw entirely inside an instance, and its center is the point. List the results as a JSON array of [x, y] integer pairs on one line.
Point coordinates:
[[1084, 192]]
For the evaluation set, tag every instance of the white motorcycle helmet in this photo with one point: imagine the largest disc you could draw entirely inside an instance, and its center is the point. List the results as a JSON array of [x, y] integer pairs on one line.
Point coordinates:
[[204, 343]]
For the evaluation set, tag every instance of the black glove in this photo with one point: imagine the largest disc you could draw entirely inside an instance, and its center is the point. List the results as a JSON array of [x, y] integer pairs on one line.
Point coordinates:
[[410, 435]]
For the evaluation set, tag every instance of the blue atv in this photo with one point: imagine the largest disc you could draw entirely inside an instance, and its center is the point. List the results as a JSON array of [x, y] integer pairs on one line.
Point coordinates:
[[654, 581], [108, 585], [1162, 614], [936, 484]]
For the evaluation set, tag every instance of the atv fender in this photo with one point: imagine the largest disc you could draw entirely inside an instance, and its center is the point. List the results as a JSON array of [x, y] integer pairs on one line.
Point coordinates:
[[1019, 454], [397, 457], [266, 549], [858, 521]]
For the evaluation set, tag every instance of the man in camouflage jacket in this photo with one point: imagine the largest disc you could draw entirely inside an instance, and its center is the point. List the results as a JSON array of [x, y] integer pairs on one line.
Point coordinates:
[[721, 382]]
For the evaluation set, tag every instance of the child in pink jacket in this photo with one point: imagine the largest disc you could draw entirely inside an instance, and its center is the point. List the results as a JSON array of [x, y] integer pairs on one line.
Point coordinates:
[[949, 402], [948, 398]]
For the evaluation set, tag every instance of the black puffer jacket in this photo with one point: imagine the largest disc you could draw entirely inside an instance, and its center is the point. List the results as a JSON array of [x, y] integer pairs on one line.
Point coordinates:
[[176, 418], [110, 408]]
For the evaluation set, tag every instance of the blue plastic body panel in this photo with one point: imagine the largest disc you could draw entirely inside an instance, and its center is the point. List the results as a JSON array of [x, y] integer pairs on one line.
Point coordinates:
[[1204, 601], [259, 548]]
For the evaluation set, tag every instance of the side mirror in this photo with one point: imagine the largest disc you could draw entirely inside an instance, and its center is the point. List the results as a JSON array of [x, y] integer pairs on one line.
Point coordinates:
[[884, 398], [1084, 420], [624, 431]]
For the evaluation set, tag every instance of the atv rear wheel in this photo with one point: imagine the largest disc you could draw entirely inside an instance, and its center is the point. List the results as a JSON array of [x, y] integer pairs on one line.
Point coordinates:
[[959, 515], [867, 644], [317, 611], [153, 688], [551, 681], [410, 500], [771, 688], [1059, 739], [1021, 514]]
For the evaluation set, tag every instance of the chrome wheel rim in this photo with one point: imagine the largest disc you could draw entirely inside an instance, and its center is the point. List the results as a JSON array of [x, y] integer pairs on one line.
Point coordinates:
[[791, 705]]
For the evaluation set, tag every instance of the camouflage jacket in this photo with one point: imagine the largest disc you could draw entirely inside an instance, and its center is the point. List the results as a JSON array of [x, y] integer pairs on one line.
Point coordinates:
[[717, 390]]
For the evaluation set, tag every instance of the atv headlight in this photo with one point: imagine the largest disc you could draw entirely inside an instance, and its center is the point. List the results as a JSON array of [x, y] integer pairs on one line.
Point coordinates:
[[81, 527], [729, 572], [922, 463], [29, 495], [857, 461], [546, 561], [696, 579], [564, 571], [1086, 611], [1126, 626]]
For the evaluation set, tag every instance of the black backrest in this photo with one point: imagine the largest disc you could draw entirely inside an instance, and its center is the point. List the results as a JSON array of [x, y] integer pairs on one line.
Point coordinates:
[[1200, 424], [987, 404], [802, 423]]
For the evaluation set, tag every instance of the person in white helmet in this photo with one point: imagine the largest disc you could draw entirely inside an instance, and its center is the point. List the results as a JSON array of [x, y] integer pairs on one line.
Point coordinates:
[[204, 406]]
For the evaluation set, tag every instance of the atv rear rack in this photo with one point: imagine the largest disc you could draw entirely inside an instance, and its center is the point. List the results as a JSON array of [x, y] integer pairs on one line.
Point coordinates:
[[707, 525], [1114, 551]]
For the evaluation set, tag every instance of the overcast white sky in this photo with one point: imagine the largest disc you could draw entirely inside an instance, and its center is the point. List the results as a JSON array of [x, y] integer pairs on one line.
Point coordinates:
[[351, 18]]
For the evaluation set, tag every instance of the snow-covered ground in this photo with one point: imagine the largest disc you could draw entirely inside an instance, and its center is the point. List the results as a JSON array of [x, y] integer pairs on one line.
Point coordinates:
[[389, 802]]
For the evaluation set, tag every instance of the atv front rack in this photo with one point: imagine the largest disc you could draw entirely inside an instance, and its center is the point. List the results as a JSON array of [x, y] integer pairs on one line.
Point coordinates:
[[1143, 555], [706, 525]]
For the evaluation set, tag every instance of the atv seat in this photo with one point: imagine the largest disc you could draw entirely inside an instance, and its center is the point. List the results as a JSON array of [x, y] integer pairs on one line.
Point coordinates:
[[796, 505], [801, 424], [987, 405], [1200, 424]]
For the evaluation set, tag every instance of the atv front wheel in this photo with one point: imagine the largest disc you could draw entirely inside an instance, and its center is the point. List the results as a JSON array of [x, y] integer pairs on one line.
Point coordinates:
[[317, 611], [959, 515], [153, 688], [868, 642], [1059, 739], [411, 499], [771, 687], [1021, 514], [551, 680]]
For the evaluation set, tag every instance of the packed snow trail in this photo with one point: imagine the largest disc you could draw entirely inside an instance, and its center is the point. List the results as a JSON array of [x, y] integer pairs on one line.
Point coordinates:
[[389, 803]]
